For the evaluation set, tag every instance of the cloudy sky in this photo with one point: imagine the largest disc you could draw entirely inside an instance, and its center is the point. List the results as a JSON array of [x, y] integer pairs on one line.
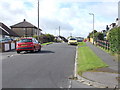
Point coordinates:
[[71, 15]]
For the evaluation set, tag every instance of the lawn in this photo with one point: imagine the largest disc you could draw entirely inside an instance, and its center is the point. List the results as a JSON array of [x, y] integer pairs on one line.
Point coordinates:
[[47, 43], [81, 44], [88, 60]]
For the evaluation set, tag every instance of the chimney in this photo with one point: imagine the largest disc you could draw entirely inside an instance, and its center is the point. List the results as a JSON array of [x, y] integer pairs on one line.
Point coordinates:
[[24, 20]]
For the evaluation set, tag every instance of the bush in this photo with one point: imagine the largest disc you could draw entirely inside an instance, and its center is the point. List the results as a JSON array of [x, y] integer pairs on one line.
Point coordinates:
[[114, 39], [46, 38]]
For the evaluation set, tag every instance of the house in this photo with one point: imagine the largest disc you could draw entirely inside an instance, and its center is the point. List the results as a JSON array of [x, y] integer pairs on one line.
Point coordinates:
[[117, 22], [112, 25], [5, 31], [60, 39], [25, 29], [79, 39]]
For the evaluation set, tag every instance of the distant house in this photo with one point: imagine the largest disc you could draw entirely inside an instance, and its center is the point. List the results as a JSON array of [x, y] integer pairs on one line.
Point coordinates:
[[25, 29], [112, 25], [79, 39], [6, 31], [117, 22], [61, 38]]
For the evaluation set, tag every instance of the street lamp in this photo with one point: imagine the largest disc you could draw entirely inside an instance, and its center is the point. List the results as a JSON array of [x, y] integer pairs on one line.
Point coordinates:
[[93, 25]]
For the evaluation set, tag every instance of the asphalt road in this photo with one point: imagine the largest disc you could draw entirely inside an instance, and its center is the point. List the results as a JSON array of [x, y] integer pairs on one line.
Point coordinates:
[[49, 68]]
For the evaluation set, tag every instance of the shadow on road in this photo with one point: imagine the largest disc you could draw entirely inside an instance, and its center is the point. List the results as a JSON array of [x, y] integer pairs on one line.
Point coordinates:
[[40, 52], [46, 51]]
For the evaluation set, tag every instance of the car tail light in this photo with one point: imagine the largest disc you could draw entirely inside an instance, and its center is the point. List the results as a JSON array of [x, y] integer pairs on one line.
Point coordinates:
[[18, 45]]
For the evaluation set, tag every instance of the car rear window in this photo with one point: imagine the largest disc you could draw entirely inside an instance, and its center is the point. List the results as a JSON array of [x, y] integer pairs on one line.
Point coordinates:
[[25, 40], [72, 39]]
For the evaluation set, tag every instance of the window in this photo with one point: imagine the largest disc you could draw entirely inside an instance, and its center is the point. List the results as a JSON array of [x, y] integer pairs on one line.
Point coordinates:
[[72, 39], [25, 40]]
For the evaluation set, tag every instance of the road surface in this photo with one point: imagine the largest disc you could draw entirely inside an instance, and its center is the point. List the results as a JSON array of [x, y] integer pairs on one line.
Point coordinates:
[[49, 68]]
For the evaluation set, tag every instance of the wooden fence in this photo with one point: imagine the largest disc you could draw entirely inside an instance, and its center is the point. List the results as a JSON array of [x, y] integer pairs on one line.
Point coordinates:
[[103, 44]]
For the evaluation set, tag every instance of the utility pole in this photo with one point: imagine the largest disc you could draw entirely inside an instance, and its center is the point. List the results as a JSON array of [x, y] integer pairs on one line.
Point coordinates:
[[38, 19], [93, 25], [59, 30], [71, 34]]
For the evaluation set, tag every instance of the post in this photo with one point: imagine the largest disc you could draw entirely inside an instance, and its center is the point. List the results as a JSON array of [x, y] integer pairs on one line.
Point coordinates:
[[38, 19], [59, 30], [93, 26]]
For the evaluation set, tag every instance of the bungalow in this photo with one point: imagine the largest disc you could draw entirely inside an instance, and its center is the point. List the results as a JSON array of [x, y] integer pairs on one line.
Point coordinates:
[[25, 29], [6, 31]]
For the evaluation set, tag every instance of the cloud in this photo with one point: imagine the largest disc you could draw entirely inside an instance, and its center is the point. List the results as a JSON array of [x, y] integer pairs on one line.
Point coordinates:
[[71, 15], [54, 23]]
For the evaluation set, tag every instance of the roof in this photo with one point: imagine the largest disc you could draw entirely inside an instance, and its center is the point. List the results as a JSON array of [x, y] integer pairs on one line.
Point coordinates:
[[24, 24], [2, 32], [6, 29]]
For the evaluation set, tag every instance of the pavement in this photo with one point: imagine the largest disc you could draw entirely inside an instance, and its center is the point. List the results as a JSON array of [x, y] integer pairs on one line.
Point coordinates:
[[107, 77]]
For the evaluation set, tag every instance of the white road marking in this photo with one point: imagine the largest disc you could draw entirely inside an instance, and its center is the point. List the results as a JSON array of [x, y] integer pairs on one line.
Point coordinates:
[[70, 85]]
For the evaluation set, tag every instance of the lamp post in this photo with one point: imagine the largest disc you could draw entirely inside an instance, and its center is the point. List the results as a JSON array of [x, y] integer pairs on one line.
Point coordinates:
[[93, 25]]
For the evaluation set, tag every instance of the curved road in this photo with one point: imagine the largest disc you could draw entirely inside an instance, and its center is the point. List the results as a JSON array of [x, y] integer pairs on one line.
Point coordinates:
[[49, 68]]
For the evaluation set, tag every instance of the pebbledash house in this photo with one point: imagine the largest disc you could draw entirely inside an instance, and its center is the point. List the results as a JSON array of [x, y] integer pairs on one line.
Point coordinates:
[[25, 29]]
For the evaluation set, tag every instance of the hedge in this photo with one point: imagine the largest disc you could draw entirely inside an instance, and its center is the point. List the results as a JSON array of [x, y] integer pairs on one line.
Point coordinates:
[[114, 39]]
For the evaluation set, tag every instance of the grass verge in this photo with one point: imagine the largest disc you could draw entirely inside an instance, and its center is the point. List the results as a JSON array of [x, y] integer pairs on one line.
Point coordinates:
[[88, 60], [81, 44], [47, 43]]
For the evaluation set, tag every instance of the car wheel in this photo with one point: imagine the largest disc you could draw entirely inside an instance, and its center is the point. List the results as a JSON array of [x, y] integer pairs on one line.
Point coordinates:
[[39, 50], [18, 51], [33, 50]]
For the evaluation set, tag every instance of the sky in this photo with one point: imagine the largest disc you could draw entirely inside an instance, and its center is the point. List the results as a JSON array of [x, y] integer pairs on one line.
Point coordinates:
[[71, 15]]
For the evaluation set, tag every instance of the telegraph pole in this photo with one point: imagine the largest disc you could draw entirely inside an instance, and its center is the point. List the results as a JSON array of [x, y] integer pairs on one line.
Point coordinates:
[[59, 30], [38, 19]]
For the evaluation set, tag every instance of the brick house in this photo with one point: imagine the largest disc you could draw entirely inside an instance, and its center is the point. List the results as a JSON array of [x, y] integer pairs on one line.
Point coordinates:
[[25, 29]]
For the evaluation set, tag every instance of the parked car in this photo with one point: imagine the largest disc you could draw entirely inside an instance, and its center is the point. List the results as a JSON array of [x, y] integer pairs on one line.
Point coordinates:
[[6, 40], [28, 44], [72, 41]]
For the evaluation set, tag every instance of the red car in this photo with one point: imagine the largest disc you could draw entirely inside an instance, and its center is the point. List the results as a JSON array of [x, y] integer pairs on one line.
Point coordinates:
[[28, 44]]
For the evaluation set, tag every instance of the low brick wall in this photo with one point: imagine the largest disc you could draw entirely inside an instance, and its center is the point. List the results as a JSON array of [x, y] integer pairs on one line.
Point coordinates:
[[7, 46]]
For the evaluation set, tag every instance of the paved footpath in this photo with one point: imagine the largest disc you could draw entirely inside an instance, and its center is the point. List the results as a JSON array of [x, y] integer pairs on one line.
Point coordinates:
[[103, 77]]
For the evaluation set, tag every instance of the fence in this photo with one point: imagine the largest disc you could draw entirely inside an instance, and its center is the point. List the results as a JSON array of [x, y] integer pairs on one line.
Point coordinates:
[[7, 46], [103, 44]]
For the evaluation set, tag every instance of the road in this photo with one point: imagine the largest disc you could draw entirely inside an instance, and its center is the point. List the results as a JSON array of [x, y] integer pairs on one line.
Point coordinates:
[[49, 68]]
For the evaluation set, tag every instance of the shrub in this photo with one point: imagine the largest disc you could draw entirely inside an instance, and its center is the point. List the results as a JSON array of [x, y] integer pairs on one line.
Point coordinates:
[[114, 39]]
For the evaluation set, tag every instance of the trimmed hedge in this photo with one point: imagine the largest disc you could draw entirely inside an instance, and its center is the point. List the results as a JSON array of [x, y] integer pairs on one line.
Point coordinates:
[[114, 39], [45, 38]]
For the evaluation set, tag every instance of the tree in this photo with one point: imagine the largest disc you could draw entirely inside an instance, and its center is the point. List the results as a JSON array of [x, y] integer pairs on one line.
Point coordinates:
[[91, 34], [98, 36]]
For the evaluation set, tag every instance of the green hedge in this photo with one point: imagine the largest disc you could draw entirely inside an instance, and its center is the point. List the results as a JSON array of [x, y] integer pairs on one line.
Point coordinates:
[[45, 38], [114, 39]]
